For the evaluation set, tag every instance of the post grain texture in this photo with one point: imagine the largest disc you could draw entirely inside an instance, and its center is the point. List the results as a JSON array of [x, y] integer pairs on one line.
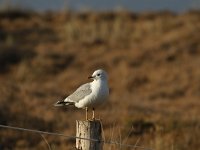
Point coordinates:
[[90, 130]]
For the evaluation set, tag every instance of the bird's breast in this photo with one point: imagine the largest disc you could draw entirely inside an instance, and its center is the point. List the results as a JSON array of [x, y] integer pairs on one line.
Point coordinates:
[[101, 91]]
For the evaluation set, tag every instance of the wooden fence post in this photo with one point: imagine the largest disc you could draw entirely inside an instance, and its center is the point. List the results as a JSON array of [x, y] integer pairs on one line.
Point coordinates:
[[90, 130]]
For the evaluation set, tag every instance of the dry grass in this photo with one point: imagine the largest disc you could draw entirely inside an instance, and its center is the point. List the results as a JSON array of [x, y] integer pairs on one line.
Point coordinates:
[[152, 60]]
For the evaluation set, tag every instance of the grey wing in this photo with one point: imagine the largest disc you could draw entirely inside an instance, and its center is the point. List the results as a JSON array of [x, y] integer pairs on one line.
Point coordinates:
[[80, 93]]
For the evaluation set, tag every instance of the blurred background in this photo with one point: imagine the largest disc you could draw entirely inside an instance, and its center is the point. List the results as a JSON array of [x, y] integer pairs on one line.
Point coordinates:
[[104, 5], [149, 48]]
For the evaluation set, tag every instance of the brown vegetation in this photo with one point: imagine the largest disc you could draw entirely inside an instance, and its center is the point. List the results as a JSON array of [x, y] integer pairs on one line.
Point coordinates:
[[153, 63]]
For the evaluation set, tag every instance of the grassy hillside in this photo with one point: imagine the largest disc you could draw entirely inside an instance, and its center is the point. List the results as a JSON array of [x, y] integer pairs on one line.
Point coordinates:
[[153, 64]]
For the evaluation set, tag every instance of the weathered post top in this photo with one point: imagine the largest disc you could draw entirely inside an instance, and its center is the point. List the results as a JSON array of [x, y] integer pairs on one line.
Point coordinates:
[[90, 130]]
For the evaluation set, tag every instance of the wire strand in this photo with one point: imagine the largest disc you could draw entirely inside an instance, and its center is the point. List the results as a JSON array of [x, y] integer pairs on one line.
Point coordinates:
[[73, 137]]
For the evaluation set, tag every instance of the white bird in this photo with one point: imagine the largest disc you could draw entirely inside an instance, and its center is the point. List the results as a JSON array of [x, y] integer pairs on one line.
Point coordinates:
[[89, 95]]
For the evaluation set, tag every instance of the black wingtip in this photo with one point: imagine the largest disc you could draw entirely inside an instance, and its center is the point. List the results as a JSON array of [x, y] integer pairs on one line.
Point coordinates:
[[59, 103]]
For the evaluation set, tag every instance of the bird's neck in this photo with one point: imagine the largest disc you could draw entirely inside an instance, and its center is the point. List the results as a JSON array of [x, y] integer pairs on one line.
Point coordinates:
[[100, 81]]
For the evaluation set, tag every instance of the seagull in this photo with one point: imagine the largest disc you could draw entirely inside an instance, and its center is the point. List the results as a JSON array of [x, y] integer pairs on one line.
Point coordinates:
[[89, 95]]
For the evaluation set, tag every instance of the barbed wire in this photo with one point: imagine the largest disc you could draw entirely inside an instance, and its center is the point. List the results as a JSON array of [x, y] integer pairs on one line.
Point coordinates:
[[73, 137]]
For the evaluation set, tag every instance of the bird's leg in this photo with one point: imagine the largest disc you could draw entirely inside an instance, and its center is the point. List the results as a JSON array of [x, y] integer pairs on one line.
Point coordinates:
[[93, 116], [86, 113]]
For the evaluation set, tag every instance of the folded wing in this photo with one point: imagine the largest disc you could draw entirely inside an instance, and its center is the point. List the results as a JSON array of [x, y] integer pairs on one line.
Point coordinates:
[[83, 91]]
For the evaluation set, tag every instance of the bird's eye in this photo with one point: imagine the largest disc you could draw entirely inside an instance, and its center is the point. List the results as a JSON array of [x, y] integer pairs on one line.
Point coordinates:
[[98, 74]]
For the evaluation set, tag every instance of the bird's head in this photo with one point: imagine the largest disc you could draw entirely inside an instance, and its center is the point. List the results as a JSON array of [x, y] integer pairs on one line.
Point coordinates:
[[99, 74]]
